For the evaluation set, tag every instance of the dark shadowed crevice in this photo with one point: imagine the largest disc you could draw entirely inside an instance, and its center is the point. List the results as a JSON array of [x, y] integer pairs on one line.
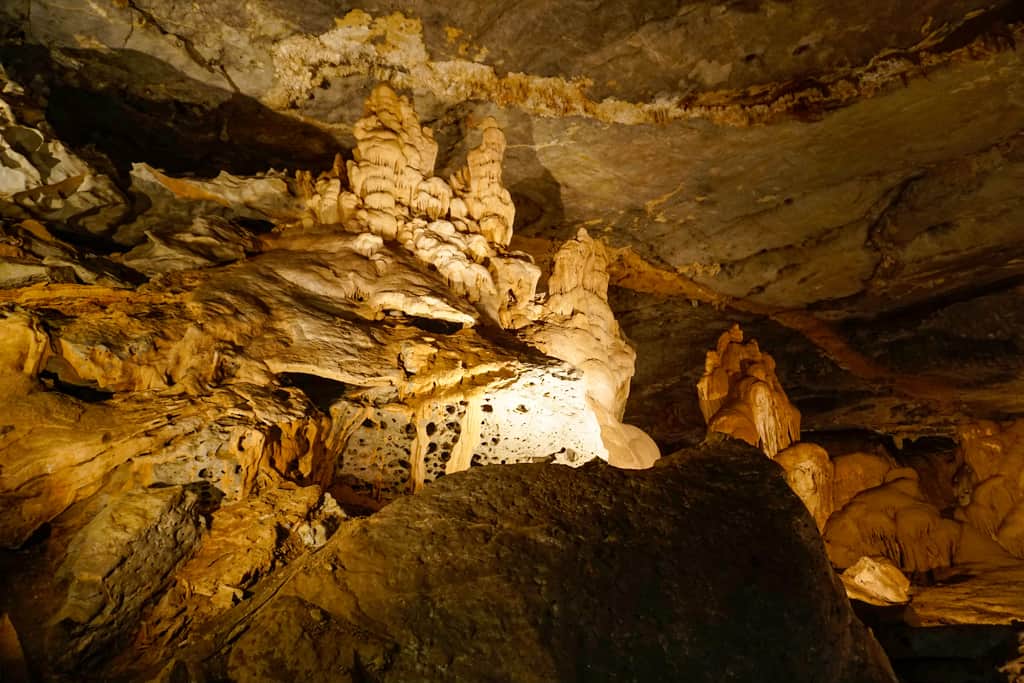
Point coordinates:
[[130, 107], [83, 392], [320, 390]]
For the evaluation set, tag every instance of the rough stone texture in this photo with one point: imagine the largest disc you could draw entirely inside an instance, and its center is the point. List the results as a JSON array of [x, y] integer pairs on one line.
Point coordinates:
[[883, 192], [842, 181], [876, 581], [535, 573], [115, 565], [357, 347]]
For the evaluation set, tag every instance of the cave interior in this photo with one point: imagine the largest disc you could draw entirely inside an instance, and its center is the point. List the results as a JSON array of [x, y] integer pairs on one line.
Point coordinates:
[[394, 340]]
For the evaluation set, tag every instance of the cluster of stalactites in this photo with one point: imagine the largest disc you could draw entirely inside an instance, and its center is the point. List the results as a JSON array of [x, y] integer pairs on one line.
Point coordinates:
[[461, 229], [740, 395]]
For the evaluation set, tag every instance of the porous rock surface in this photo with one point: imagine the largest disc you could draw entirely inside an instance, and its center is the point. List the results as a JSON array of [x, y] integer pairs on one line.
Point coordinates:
[[704, 568]]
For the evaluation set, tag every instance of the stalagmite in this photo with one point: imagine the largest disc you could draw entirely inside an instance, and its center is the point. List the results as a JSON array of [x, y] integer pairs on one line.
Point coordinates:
[[740, 395], [479, 186], [810, 474], [578, 326], [271, 345]]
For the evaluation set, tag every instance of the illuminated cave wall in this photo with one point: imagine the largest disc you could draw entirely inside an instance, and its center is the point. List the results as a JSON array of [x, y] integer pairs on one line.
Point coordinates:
[[376, 339]]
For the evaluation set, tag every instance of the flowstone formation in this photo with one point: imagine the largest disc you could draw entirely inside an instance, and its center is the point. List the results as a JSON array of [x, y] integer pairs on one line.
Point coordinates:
[[935, 533], [883, 509], [183, 411], [990, 488], [741, 396]]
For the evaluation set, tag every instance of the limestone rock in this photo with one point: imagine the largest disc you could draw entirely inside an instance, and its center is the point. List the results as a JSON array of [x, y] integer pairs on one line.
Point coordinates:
[[740, 395], [856, 472], [640, 122], [42, 179], [895, 522], [810, 473], [536, 573], [245, 542], [336, 354], [578, 326], [876, 581], [992, 482], [117, 563], [205, 243]]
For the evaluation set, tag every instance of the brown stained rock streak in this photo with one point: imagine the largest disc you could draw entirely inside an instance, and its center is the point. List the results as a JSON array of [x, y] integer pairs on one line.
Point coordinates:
[[630, 271]]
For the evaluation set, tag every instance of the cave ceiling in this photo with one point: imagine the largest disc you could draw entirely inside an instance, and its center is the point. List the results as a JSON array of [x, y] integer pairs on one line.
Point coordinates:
[[844, 179]]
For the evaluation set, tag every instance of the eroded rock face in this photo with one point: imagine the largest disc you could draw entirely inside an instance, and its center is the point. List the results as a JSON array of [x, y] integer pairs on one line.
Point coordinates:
[[350, 349], [116, 565], [867, 230], [536, 574], [900, 230], [379, 336]]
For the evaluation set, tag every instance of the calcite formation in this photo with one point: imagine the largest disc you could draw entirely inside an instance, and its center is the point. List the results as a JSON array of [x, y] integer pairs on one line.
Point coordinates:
[[991, 482], [378, 336], [810, 473], [579, 327], [740, 395], [882, 511], [876, 581], [372, 296], [865, 504]]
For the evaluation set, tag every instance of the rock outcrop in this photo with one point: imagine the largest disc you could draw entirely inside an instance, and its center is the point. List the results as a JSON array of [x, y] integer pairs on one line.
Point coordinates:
[[530, 573], [115, 566], [349, 348]]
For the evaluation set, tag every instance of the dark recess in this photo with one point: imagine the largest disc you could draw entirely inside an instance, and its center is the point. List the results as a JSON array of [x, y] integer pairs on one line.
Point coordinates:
[[320, 390], [83, 392]]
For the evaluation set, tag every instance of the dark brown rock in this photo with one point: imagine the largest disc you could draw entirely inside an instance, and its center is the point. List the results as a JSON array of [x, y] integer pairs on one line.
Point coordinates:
[[705, 568]]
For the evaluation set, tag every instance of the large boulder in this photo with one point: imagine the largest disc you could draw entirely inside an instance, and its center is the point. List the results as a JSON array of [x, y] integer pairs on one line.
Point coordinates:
[[704, 568]]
